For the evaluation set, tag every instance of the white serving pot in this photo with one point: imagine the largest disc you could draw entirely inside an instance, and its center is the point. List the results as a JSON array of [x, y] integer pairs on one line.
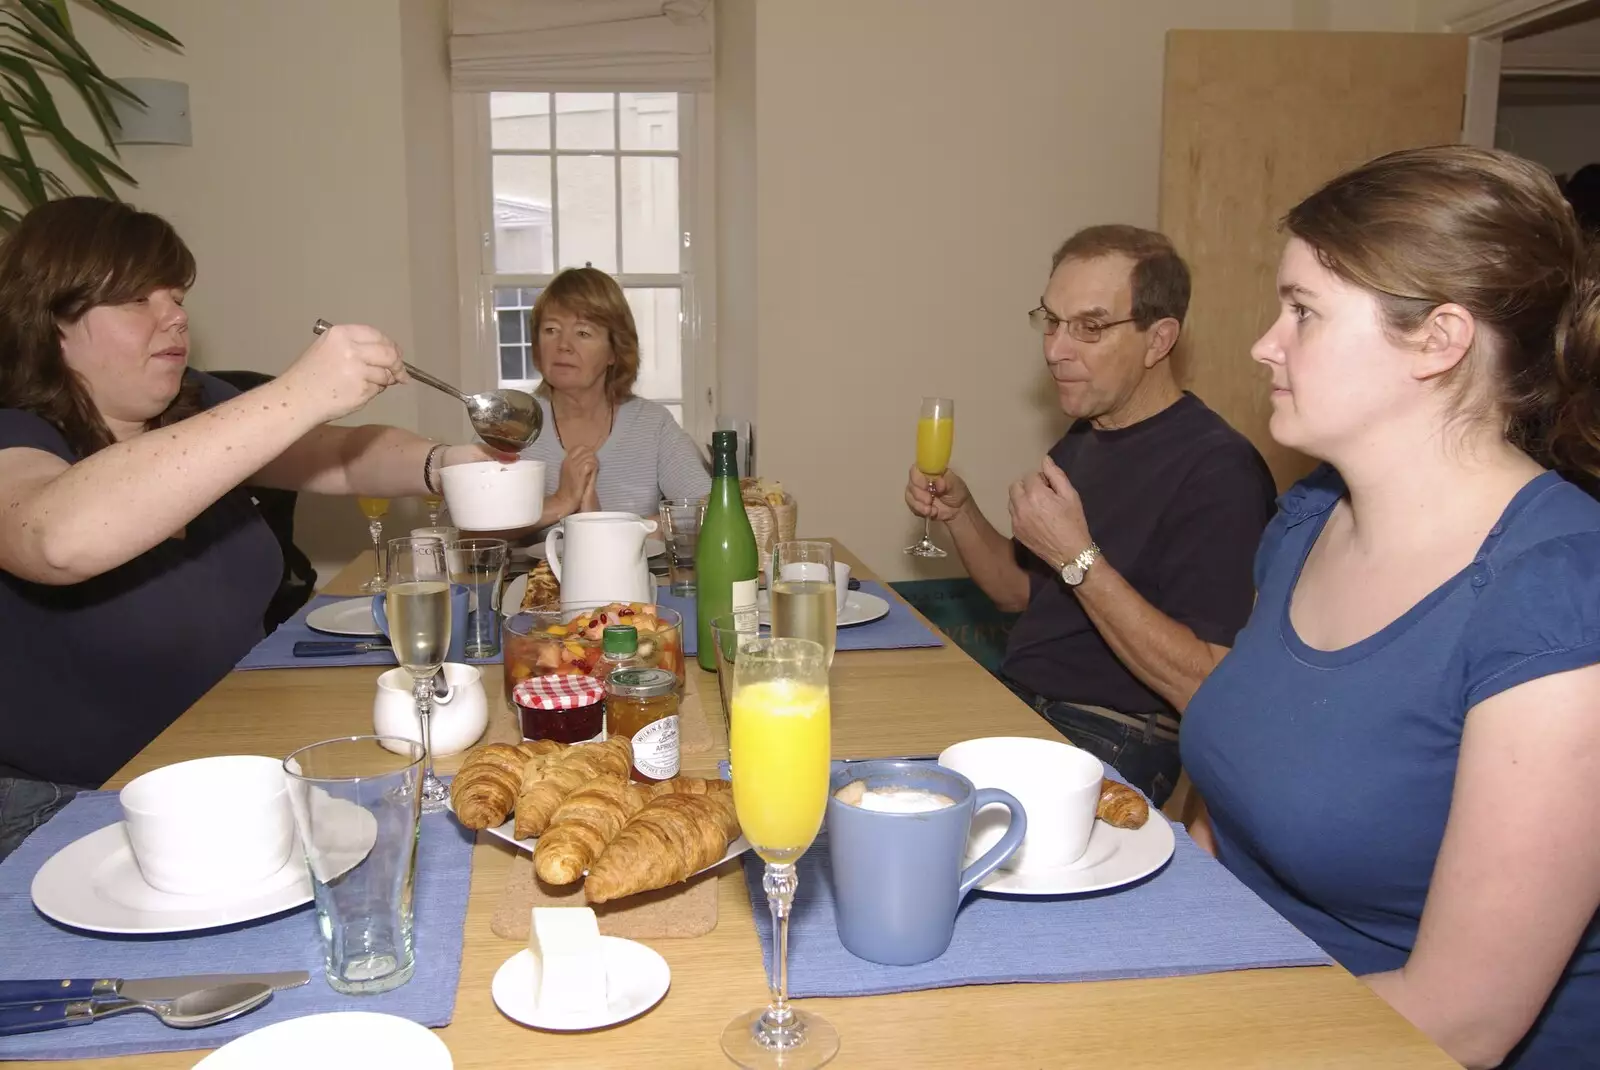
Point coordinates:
[[456, 724]]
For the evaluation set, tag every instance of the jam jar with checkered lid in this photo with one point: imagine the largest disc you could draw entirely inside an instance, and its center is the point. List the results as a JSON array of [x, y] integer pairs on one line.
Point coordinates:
[[566, 708]]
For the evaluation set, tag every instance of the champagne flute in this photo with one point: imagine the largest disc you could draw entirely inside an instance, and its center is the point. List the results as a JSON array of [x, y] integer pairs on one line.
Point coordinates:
[[803, 603], [434, 503], [419, 630], [779, 749], [936, 434], [374, 509]]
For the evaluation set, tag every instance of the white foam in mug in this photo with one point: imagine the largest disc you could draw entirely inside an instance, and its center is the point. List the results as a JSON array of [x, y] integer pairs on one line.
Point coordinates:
[[892, 800], [1057, 783]]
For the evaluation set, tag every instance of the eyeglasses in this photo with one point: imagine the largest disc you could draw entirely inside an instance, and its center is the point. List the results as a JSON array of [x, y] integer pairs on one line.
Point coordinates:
[[1047, 323]]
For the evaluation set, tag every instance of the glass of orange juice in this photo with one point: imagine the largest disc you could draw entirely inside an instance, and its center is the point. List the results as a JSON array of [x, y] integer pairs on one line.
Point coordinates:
[[936, 436], [779, 750], [374, 509]]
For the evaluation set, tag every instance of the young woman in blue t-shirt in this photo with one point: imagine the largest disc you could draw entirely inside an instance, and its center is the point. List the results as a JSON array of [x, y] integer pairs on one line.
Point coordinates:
[[1401, 753]]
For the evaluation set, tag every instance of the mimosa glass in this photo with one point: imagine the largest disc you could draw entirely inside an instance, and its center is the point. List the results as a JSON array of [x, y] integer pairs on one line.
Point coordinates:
[[434, 503], [374, 509], [936, 436], [803, 603], [419, 631], [779, 749]]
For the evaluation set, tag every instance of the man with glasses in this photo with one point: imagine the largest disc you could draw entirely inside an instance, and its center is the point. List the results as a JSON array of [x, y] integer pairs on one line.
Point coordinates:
[[1131, 549]]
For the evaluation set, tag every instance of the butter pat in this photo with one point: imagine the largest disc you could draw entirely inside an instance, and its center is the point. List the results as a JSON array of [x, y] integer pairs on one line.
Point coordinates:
[[569, 963]]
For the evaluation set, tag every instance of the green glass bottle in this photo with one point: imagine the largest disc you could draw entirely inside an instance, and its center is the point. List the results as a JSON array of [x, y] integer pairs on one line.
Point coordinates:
[[725, 563]]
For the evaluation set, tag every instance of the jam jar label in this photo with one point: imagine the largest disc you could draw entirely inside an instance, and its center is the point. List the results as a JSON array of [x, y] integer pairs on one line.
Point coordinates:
[[655, 749]]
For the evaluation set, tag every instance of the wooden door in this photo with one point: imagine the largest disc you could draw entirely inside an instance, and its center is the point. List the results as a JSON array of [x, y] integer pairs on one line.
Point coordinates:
[[1252, 122]]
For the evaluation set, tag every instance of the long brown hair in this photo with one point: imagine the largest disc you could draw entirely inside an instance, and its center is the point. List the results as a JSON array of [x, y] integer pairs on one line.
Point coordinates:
[[64, 258], [1490, 232], [592, 295]]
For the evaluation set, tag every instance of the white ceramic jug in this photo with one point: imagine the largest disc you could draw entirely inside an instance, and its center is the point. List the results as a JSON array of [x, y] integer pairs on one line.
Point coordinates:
[[600, 557]]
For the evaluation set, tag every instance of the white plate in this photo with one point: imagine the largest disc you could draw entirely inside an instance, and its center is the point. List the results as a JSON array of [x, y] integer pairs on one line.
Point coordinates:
[[636, 976], [94, 883], [353, 616], [654, 546], [1115, 857], [340, 1039], [511, 599], [859, 608]]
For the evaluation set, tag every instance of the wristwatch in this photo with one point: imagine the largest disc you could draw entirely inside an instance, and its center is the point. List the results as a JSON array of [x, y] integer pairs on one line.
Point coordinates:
[[1074, 571]]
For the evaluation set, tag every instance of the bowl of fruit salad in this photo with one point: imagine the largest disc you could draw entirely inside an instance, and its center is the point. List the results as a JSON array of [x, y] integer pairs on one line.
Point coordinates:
[[549, 641]]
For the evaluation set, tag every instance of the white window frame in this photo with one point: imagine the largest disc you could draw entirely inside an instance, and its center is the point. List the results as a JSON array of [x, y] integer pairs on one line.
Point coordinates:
[[477, 278]]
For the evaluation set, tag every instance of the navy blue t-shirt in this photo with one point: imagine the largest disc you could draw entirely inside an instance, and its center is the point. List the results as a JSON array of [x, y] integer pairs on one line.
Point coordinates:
[[1328, 774], [96, 670]]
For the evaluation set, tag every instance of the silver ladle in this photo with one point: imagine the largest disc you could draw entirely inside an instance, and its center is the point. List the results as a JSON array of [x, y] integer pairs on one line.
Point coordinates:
[[508, 420]]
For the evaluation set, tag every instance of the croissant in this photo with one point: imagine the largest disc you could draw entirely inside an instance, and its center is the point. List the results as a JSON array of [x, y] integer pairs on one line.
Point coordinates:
[[582, 826], [485, 789], [545, 789], [671, 839], [685, 785], [1121, 806]]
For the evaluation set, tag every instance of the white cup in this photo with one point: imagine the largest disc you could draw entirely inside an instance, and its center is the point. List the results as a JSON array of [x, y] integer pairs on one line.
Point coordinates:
[[841, 585], [211, 824], [1057, 783], [492, 495], [454, 725]]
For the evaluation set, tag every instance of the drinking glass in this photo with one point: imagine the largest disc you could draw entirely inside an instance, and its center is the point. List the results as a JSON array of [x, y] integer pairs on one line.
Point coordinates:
[[419, 631], [479, 565], [374, 509], [729, 633], [680, 527], [803, 603], [936, 434], [355, 805], [434, 503], [780, 752]]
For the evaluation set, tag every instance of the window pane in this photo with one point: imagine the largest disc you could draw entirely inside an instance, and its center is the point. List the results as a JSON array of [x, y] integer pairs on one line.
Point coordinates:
[[650, 214], [649, 120], [512, 305], [655, 312], [519, 120], [585, 121], [588, 211], [522, 238]]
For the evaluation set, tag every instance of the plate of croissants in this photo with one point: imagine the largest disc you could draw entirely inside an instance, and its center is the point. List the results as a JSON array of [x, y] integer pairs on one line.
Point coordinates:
[[574, 807]]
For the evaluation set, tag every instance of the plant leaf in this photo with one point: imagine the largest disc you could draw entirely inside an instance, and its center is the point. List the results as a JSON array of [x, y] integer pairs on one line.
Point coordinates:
[[33, 184], [117, 11]]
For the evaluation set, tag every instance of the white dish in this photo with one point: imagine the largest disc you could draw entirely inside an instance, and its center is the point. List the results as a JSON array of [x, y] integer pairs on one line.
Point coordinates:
[[1113, 858], [654, 546], [505, 832], [859, 608], [94, 883], [341, 1039], [353, 616], [637, 977]]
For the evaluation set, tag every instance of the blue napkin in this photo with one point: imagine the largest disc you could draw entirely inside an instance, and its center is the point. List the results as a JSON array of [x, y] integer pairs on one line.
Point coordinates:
[[32, 946], [1191, 916], [276, 651], [900, 630]]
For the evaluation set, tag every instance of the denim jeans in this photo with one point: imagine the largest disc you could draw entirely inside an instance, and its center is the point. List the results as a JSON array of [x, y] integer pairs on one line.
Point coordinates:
[[27, 804], [1150, 765]]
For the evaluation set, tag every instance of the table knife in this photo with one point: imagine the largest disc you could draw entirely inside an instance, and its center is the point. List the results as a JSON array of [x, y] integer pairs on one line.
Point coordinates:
[[49, 990], [318, 648]]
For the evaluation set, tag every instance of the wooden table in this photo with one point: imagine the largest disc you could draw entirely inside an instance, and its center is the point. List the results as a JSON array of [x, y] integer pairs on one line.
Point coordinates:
[[885, 703]]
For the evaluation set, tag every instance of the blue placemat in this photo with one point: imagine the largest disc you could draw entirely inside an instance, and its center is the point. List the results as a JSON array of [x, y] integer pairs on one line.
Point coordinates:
[[900, 630], [276, 651], [33, 946], [1190, 917]]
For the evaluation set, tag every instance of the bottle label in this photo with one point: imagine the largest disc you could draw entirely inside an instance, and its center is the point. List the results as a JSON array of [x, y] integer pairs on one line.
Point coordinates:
[[744, 605], [655, 749]]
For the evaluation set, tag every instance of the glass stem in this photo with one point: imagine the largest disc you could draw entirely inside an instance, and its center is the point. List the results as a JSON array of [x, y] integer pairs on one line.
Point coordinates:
[[375, 529], [780, 882], [423, 692], [927, 537]]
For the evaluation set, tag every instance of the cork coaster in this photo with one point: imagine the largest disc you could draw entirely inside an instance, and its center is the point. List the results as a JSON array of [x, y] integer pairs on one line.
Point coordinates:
[[688, 909], [695, 735]]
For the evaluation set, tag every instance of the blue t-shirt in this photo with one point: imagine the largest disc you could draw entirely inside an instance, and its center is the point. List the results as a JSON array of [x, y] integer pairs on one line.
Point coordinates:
[[1328, 774], [95, 670]]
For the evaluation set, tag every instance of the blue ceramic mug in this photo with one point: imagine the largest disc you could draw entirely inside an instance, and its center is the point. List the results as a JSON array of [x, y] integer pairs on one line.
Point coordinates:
[[458, 620], [896, 856]]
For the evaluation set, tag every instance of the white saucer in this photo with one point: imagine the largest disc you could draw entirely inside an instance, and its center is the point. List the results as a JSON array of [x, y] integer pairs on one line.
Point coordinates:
[[353, 617], [1115, 857], [859, 608], [94, 883], [339, 1039], [637, 976]]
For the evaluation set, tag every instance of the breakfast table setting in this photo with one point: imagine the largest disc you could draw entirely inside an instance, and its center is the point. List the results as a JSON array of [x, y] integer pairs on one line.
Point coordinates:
[[977, 894]]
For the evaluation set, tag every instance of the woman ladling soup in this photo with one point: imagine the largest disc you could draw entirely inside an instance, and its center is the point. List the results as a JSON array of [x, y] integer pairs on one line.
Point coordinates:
[[1400, 754], [603, 447], [134, 568]]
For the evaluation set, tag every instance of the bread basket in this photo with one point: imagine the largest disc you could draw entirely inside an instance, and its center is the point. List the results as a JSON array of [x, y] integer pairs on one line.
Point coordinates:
[[772, 521]]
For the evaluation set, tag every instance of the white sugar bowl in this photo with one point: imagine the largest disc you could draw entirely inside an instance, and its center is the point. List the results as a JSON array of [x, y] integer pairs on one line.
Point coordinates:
[[456, 724]]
